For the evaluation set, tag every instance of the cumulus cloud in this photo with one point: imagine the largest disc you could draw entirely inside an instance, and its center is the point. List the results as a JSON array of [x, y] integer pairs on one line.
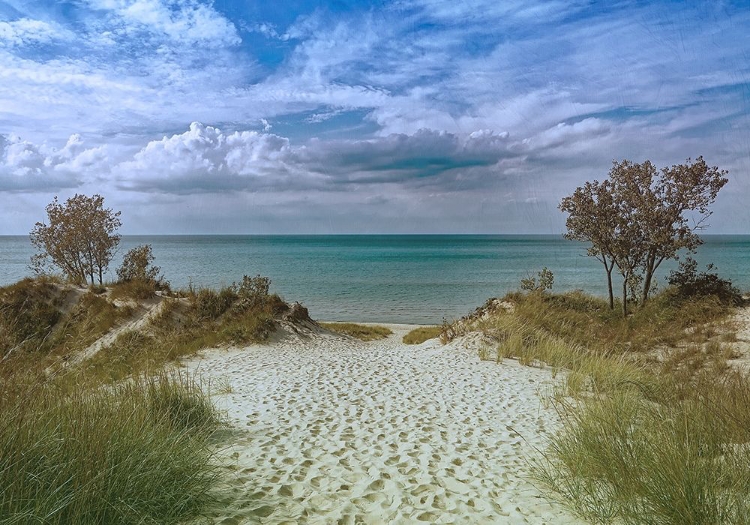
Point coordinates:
[[205, 159], [25, 166]]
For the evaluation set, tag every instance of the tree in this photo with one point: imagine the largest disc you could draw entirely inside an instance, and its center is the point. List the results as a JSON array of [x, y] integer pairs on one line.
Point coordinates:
[[592, 217], [79, 238], [641, 216], [676, 206], [136, 266]]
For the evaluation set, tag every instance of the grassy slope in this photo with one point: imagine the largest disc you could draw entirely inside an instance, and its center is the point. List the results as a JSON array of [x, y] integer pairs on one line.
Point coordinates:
[[78, 446], [656, 426], [359, 331], [422, 334]]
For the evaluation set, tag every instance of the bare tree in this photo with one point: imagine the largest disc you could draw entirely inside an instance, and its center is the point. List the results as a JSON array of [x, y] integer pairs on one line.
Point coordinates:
[[79, 238]]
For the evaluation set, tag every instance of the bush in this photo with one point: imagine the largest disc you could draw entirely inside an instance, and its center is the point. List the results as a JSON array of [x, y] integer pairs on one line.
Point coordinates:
[[140, 274], [543, 281], [253, 291], [690, 283], [137, 265], [210, 304]]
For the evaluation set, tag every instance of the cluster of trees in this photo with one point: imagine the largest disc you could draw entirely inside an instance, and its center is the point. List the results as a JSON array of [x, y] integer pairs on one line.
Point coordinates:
[[641, 216], [80, 238]]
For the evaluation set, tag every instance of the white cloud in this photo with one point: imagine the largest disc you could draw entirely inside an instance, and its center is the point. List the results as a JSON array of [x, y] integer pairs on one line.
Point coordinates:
[[25, 166], [205, 159], [181, 21], [27, 31]]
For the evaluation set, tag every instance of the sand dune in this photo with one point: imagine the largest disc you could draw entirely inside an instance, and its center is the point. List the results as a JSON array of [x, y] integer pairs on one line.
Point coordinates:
[[332, 430]]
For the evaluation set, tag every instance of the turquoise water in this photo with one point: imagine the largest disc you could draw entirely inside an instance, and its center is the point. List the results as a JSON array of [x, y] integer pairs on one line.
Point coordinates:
[[384, 278]]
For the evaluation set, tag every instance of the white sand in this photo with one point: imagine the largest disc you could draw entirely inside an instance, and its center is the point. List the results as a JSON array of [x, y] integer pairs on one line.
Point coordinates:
[[333, 430]]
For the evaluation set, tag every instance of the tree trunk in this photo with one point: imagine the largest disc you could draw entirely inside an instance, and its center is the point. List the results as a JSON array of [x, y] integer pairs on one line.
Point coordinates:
[[649, 274], [608, 268], [100, 276], [624, 295]]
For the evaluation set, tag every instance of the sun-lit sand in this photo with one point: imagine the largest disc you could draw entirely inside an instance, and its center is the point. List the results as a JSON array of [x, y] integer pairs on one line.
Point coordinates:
[[328, 429]]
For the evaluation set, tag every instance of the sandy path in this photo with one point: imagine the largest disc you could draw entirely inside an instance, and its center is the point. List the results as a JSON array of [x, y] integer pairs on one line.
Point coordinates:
[[338, 431]]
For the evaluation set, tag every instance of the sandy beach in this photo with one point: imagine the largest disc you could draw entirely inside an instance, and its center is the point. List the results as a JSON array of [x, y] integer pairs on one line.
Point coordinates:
[[329, 429]]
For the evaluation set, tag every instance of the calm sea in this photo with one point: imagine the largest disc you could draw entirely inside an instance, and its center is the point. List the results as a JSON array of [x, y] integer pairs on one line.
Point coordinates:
[[383, 278]]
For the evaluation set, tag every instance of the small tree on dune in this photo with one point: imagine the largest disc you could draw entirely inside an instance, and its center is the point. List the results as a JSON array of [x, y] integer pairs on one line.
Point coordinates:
[[592, 217], [642, 216], [79, 238], [137, 266]]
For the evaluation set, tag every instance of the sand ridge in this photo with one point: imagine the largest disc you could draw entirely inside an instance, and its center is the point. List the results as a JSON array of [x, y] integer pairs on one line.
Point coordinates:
[[334, 430]]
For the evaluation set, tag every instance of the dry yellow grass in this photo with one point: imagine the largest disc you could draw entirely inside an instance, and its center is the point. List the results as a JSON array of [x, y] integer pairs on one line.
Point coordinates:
[[359, 331]]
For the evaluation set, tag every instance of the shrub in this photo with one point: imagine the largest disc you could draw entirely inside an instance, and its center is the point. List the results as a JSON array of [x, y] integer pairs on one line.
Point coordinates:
[[210, 304], [140, 274], [543, 281], [137, 264], [253, 291], [690, 283]]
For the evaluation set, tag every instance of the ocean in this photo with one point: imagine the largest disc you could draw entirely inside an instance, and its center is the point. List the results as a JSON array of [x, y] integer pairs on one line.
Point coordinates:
[[419, 279]]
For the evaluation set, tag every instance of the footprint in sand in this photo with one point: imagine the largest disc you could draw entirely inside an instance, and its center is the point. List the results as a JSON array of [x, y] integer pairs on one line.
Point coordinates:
[[338, 431]]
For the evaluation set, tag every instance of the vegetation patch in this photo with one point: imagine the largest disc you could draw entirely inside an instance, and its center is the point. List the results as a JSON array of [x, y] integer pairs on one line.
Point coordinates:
[[359, 331], [136, 452], [656, 425], [114, 439], [28, 311], [422, 334], [202, 319]]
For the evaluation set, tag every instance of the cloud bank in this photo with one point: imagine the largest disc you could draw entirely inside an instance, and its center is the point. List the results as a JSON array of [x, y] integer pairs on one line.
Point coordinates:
[[488, 112]]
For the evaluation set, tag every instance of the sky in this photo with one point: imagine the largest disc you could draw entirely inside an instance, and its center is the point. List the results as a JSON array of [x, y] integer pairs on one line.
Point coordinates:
[[402, 116]]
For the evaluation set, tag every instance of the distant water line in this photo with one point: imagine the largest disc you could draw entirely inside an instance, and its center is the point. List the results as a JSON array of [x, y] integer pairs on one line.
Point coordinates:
[[417, 279]]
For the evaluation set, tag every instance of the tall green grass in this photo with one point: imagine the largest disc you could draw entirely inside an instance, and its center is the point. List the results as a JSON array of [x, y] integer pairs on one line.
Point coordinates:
[[655, 424], [135, 452], [621, 458]]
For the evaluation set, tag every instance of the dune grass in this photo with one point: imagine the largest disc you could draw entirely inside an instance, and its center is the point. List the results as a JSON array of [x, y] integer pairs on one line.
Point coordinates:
[[359, 331], [655, 425], [422, 334], [624, 458], [136, 452], [115, 439], [184, 326]]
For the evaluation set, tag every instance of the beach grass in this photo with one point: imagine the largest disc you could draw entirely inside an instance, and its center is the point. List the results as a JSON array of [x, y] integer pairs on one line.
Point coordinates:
[[359, 331], [136, 452], [422, 334], [113, 439], [184, 326], [655, 423]]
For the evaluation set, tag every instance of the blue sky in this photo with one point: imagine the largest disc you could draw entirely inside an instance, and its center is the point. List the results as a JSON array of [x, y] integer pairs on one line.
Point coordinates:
[[421, 116]]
